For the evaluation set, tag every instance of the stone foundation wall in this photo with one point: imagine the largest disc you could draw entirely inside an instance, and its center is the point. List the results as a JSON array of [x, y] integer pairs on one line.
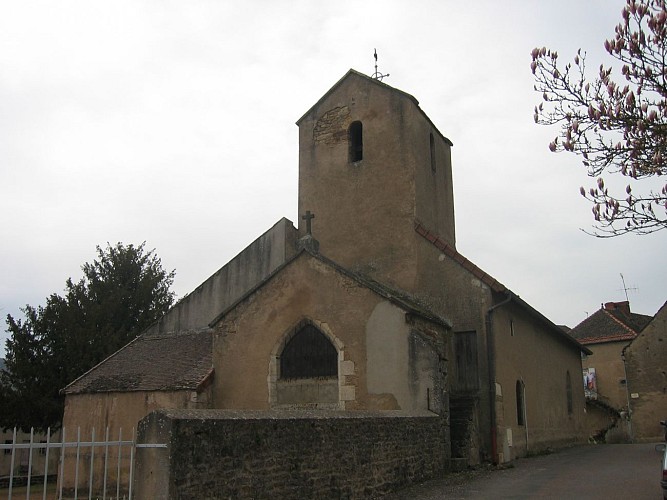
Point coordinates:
[[287, 455]]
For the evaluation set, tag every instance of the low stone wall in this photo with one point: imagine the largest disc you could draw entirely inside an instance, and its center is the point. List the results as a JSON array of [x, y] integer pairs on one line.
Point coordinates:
[[287, 455]]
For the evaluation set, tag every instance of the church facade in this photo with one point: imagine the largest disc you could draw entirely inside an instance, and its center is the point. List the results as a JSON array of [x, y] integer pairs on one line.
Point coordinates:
[[367, 305]]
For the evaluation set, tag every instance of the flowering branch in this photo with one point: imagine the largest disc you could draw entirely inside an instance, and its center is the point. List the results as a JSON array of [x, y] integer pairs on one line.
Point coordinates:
[[615, 128]]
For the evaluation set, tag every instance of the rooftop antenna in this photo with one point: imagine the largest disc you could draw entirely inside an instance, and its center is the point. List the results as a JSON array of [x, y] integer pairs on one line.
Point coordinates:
[[625, 288], [377, 75]]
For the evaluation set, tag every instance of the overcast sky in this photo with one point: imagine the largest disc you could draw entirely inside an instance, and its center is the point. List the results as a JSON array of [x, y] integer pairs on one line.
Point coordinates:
[[173, 123]]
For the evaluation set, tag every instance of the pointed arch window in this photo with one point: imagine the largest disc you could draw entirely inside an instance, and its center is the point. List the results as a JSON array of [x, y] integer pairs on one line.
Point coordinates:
[[308, 354], [356, 141]]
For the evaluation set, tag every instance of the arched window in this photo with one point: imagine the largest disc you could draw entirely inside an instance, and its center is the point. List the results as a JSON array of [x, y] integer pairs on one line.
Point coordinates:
[[432, 147], [356, 142], [568, 392], [520, 404], [308, 354]]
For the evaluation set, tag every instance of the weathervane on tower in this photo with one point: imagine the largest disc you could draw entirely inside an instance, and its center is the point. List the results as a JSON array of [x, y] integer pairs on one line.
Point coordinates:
[[377, 75]]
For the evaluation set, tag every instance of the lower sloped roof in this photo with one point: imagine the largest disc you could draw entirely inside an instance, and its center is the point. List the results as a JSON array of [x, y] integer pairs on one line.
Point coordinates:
[[152, 363]]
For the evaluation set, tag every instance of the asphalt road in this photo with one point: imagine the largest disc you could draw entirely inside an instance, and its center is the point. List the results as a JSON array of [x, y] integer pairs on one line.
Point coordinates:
[[623, 471]]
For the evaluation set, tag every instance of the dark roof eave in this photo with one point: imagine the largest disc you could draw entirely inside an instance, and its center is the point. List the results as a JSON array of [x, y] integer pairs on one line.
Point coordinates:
[[607, 339], [175, 388]]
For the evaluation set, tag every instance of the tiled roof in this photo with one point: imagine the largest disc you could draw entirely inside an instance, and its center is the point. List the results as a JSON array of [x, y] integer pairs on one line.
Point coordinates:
[[635, 321], [152, 363], [609, 326], [451, 252]]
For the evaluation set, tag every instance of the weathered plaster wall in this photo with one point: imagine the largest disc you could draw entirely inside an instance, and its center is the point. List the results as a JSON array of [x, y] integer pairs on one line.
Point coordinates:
[[646, 361], [119, 412], [608, 364], [197, 309], [251, 335], [267, 455], [403, 368], [541, 361]]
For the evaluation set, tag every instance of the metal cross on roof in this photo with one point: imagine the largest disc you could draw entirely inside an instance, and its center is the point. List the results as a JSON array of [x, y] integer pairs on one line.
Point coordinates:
[[377, 75], [308, 218]]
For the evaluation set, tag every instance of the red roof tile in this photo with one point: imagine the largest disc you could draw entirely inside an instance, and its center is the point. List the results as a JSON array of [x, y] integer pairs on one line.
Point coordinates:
[[609, 326]]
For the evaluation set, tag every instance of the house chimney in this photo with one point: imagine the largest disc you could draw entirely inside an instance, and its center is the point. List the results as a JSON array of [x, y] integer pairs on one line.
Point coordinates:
[[623, 307]]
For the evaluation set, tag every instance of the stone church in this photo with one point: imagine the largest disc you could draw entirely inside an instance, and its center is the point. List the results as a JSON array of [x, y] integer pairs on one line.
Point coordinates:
[[367, 305]]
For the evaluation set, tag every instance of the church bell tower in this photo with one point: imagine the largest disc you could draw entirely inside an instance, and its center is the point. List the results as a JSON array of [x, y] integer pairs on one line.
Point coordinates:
[[371, 163]]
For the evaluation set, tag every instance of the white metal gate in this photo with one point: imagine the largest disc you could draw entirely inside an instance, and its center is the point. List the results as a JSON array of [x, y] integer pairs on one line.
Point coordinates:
[[109, 463]]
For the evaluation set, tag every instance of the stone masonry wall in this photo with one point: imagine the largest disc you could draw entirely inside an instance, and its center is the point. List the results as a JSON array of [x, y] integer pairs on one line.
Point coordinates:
[[287, 455], [647, 379]]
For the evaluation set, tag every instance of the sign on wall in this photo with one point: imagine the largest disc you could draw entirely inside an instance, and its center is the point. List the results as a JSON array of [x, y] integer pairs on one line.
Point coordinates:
[[590, 383]]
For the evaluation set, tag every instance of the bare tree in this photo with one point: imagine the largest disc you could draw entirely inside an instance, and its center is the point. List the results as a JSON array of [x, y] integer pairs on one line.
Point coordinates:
[[617, 128]]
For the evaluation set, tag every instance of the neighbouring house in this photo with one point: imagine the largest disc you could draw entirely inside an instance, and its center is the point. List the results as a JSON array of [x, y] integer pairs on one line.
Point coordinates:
[[606, 333], [646, 365], [21, 462], [367, 305]]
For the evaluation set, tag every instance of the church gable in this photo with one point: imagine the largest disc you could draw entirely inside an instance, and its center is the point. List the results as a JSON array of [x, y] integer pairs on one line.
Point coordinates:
[[322, 312]]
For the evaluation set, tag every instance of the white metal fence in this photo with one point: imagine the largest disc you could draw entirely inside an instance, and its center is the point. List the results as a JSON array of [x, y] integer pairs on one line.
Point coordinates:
[[96, 468]]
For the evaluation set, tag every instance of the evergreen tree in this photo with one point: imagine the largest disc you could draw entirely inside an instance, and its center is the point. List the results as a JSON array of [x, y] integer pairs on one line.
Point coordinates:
[[122, 292]]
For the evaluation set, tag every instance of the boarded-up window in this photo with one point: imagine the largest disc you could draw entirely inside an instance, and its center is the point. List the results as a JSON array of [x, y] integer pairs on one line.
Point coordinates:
[[465, 350], [308, 354]]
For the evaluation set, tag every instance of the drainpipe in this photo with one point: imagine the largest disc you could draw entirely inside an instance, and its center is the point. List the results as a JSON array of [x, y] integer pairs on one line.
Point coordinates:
[[627, 394], [491, 362]]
